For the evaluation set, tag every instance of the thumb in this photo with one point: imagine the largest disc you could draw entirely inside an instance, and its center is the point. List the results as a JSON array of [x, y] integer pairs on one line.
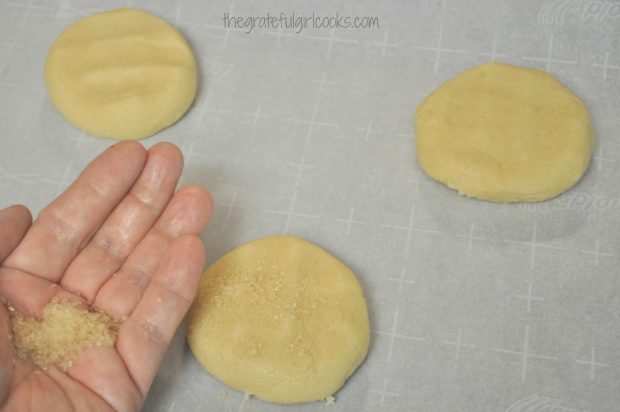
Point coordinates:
[[14, 222], [6, 355]]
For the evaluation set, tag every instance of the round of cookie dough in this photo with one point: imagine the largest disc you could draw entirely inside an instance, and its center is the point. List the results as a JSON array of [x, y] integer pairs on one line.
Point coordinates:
[[281, 319], [504, 133], [122, 74]]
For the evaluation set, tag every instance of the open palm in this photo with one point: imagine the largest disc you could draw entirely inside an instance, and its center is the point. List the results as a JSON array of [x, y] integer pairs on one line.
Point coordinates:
[[118, 238]]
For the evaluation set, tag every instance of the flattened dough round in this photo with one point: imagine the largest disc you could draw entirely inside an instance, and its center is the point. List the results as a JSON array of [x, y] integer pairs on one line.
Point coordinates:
[[281, 319], [504, 133], [123, 74]]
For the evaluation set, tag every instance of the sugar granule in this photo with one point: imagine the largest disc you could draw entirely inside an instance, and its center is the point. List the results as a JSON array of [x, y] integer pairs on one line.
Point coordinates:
[[64, 332]]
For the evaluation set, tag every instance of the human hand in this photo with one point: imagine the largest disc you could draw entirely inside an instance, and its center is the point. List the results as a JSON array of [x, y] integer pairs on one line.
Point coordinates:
[[118, 238]]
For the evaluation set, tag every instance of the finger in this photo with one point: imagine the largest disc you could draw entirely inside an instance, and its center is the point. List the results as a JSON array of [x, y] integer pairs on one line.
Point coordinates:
[[144, 338], [128, 223], [65, 226], [187, 214], [14, 222]]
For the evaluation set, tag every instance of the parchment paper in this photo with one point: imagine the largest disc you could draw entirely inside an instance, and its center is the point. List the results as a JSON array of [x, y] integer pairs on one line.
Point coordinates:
[[474, 306]]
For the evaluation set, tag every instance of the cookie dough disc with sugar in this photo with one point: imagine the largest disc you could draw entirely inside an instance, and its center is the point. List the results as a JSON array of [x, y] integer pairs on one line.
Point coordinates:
[[122, 74], [281, 319], [504, 133]]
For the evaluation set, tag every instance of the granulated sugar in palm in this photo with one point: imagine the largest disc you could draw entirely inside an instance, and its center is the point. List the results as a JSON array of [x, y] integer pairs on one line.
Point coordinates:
[[63, 332]]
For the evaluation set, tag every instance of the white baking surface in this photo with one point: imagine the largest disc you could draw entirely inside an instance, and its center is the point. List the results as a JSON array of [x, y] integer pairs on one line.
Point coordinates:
[[474, 306]]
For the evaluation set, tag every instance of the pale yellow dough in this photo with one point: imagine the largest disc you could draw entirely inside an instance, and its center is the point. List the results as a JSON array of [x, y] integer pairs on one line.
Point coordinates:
[[504, 133], [123, 74], [281, 319]]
